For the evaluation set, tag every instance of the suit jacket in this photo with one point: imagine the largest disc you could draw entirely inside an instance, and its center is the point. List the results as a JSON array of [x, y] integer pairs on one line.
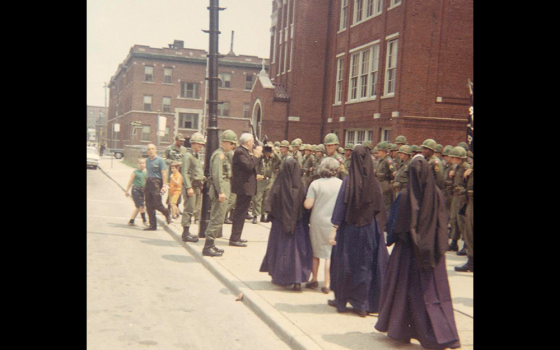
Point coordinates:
[[244, 180]]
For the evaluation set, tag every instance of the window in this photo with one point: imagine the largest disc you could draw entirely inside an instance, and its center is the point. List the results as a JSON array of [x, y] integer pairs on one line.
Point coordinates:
[[223, 109], [188, 121], [148, 73], [363, 74], [395, 3], [165, 138], [386, 135], [339, 79], [147, 103], [366, 9], [166, 104], [146, 133], [248, 82], [225, 80], [168, 75], [246, 110], [358, 137], [190, 90], [391, 67], [343, 14]]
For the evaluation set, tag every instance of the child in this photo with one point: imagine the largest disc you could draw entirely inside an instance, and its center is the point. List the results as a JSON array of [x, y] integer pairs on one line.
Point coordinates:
[[138, 181], [175, 182]]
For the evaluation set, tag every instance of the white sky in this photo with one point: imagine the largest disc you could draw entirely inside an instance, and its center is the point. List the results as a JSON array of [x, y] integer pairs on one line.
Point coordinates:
[[114, 26]]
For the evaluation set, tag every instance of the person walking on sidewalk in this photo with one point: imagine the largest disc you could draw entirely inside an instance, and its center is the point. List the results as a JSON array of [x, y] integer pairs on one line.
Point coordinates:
[[175, 185], [193, 175], [156, 185], [359, 256], [321, 198], [416, 299], [137, 182], [244, 184], [288, 258], [219, 191]]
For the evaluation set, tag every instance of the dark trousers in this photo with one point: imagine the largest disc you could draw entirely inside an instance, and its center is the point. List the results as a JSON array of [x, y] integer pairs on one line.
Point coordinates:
[[241, 207], [152, 197]]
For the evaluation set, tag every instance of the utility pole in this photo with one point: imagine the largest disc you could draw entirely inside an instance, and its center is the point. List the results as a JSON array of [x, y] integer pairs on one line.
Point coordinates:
[[212, 129]]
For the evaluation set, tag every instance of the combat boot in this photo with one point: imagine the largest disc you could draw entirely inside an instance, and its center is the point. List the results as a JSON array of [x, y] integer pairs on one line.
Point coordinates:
[[467, 267], [187, 237], [228, 219], [262, 218], [453, 246], [254, 219], [463, 251], [208, 249]]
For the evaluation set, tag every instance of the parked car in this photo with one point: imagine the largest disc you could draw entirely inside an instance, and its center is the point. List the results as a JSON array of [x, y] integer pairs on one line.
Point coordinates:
[[117, 152], [92, 157]]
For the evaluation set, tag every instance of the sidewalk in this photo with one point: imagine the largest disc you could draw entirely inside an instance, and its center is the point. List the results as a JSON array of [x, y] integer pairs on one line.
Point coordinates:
[[303, 320]]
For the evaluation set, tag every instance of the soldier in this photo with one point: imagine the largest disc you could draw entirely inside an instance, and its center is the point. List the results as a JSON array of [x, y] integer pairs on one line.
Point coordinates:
[[284, 151], [265, 179], [415, 150], [400, 141], [232, 197], [428, 151], [307, 165], [319, 155], [348, 155], [331, 144], [438, 151], [219, 191], [458, 156], [447, 180], [193, 180], [384, 173], [296, 144], [176, 151], [394, 155], [401, 175], [469, 223]]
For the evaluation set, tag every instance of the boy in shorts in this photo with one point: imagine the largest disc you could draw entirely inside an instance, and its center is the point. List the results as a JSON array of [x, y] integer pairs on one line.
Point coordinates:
[[175, 183], [138, 182]]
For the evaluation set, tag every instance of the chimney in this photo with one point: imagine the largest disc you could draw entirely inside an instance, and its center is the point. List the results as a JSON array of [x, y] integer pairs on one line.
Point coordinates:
[[178, 44], [231, 53]]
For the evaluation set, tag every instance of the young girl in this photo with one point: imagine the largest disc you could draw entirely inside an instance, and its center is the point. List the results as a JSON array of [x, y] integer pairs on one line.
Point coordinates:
[[137, 182], [175, 183]]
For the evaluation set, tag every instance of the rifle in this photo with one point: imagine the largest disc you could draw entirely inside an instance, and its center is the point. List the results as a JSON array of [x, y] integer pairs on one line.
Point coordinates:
[[265, 140]]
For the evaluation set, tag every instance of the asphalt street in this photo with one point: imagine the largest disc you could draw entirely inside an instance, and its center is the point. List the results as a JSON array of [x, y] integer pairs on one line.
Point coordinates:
[[145, 291]]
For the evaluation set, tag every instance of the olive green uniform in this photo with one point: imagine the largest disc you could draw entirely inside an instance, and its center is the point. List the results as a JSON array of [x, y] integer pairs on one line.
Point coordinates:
[[219, 182], [173, 154], [384, 173], [437, 168], [193, 176], [233, 197], [469, 219], [458, 200], [306, 168], [265, 167], [401, 178], [342, 172]]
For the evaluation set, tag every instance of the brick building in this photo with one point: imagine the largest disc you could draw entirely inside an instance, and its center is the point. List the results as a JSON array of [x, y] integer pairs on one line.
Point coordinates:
[[367, 70], [171, 83]]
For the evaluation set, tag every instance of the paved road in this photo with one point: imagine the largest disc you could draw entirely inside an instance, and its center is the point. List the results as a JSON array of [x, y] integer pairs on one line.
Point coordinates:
[[144, 290]]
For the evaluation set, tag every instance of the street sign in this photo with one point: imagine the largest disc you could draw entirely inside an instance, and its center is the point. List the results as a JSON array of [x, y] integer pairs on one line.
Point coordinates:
[[161, 123]]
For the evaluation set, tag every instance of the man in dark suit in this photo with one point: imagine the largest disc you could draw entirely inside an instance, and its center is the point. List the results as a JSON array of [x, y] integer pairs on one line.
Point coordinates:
[[244, 184]]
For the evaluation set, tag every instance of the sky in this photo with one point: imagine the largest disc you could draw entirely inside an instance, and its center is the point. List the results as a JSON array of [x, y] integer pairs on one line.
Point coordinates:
[[114, 26]]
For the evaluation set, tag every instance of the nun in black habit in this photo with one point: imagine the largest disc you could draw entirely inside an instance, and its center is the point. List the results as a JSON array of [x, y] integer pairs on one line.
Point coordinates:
[[289, 253], [416, 299], [359, 256]]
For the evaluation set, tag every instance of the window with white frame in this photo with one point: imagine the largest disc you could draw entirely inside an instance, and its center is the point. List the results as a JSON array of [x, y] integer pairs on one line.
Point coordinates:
[[339, 80], [188, 121], [364, 67], [358, 137], [225, 80], [165, 137], [148, 73], [223, 109], [146, 133], [166, 104], [343, 14], [386, 135], [246, 110], [147, 103], [249, 81], [395, 3], [190, 90], [391, 67], [168, 75], [366, 9]]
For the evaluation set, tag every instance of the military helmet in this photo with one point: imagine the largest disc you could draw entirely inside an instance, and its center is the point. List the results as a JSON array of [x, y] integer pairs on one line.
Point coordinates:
[[198, 138], [307, 147], [383, 146], [405, 149], [464, 145], [229, 135], [458, 152], [331, 139], [374, 149], [180, 137], [284, 143], [321, 148], [393, 147], [296, 142], [401, 139], [367, 144], [446, 150], [314, 148], [277, 144], [439, 148], [430, 144], [349, 146], [415, 148]]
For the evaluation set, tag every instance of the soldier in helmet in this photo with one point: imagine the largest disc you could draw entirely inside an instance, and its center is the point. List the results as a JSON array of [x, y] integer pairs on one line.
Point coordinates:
[[469, 223], [415, 150], [174, 153], [428, 151], [384, 172], [394, 155], [232, 197], [438, 151], [265, 178], [284, 151], [458, 156], [348, 155], [319, 155], [307, 165], [296, 144], [331, 144], [401, 175], [193, 180], [219, 191], [400, 141], [447, 180]]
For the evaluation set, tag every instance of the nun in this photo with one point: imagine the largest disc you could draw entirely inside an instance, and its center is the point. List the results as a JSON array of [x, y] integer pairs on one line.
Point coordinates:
[[289, 255], [359, 255], [416, 299]]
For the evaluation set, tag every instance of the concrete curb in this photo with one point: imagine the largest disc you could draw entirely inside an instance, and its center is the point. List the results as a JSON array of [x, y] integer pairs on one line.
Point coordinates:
[[282, 326]]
